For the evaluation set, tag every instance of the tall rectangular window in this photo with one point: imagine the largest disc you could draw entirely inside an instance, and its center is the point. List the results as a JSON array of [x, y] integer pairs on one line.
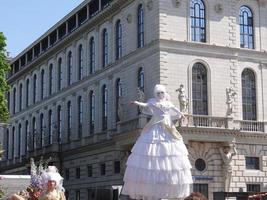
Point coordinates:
[[105, 47], [20, 97], [34, 88], [140, 26], [80, 62], [80, 116], [69, 63], [69, 120], [60, 72], [50, 79], [92, 55], [27, 92], [92, 112], [42, 84]]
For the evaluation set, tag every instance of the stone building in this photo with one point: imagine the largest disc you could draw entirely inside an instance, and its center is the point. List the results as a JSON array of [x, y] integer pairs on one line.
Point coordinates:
[[70, 91]]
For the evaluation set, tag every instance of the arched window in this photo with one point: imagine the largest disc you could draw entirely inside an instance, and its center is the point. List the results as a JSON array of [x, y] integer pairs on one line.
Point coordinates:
[[14, 100], [42, 133], [42, 84], [141, 79], [199, 89], [80, 116], [50, 126], [8, 100], [59, 123], [27, 92], [246, 28], [80, 62], [104, 107], [69, 63], [118, 99], [92, 111], [20, 96], [60, 72], [118, 40], [140, 26], [27, 136], [92, 55], [34, 133], [105, 47], [249, 95], [50, 79], [13, 143], [19, 140], [198, 21], [69, 120], [7, 144], [34, 90]]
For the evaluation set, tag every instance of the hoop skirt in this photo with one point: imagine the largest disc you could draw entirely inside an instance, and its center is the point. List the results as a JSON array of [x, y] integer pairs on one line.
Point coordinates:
[[158, 166]]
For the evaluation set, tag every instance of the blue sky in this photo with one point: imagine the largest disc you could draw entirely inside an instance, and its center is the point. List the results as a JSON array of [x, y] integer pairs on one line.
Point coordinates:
[[23, 21]]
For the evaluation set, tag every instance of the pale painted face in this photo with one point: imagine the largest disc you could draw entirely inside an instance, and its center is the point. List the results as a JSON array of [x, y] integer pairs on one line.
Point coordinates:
[[160, 95], [51, 185]]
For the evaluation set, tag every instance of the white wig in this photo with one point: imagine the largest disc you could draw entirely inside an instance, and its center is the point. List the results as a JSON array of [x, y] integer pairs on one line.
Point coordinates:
[[51, 174], [161, 88]]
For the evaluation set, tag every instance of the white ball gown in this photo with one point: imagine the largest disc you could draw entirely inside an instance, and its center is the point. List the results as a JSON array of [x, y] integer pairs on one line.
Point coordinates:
[[158, 166]]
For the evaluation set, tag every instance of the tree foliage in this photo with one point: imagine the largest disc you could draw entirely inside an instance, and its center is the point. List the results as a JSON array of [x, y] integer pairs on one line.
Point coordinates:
[[4, 68]]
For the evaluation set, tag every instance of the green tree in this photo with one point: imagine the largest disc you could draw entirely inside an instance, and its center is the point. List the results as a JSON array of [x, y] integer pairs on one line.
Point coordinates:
[[4, 68]]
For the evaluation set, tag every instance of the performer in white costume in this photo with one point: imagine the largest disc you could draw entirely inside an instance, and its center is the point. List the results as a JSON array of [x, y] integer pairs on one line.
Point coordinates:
[[158, 166]]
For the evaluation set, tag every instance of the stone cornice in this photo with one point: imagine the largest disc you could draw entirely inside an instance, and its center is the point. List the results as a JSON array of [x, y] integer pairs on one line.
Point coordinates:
[[222, 135], [208, 50]]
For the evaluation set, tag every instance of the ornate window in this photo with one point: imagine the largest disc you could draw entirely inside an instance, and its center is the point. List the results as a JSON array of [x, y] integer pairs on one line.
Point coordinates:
[[60, 72], [13, 143], [118, 98], [14, 100], [42, 134], [80, 62], [105, 47], [118, 40], [69, 63], [140, 26], [104, 107], [92, 55], [27, 92], [198, 21], [34, 88], [246, 28], [27, 136], [50, 90], [249, 95], [20, 96], [19, 140], [92, 111], [199, 89], [50, 127], [33, 134], [80, 116], [59, 123], [69, 120], [42, 84]]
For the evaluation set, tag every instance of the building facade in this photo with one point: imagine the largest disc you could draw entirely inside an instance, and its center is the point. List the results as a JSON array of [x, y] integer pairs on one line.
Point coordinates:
[[70, 91]]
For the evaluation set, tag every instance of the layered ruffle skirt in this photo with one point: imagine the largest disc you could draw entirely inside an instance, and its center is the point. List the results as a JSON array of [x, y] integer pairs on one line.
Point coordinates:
[[158, 167]]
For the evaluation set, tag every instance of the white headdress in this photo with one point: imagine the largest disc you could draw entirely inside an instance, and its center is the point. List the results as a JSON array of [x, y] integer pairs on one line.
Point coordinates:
[[161, 88], [51, 174]]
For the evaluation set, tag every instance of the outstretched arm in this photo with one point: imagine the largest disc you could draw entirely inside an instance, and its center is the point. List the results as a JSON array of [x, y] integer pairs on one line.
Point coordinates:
[[139, 103]]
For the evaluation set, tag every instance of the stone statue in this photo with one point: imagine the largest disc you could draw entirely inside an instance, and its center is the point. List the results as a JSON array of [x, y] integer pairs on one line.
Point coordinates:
[[182, 98], [230, 95], [120, 109], [227, 153]]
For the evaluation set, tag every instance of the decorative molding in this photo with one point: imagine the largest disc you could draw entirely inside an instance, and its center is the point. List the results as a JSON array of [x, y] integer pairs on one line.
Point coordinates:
[[218, 8], [129, 18], [149, 5], [176, 3]]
